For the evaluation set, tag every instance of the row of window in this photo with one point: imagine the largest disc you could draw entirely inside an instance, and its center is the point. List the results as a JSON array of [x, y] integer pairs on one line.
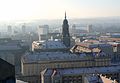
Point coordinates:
[[35, 69]]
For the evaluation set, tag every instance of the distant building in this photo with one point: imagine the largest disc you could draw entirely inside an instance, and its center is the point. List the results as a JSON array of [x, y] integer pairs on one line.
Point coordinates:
[[43, 30], [116, 50], [62, 65], [49, 35], [0, 34], [9, 30], [90, 29], [23, 28], [116, 46], [78, 30], [73, 31], [115, 35], [7, 72], [65, 33], [109, 39]]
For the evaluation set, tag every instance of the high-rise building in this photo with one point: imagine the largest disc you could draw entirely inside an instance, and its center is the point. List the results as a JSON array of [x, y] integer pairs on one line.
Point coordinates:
[[65, 33], [9, 30], [90, 29], [23, 28], [43, 30], [73, 29]]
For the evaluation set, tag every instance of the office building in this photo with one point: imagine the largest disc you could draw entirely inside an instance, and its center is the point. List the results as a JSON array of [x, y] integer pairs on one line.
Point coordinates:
[[43, 30]]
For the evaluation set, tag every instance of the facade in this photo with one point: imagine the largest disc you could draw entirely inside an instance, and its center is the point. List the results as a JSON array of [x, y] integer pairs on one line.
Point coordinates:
[[43, 30], [109, 39], [23, 28], [90, 29], [116, 46], [73, 31], [65, 33], [33, 64], [79, 75], [49, 36]]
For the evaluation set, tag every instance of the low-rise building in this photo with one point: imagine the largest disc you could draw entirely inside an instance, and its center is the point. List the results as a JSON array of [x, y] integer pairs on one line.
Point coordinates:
[[51, 46], [78, 75], [92, 47], [34, 63]]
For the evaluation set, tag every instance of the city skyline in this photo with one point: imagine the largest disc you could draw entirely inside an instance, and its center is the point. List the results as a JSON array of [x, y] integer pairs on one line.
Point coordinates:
[[59, 41], [52, 9]]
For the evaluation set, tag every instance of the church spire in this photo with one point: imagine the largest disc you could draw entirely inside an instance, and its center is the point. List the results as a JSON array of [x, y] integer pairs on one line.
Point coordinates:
[[65, 14], [65, 32]]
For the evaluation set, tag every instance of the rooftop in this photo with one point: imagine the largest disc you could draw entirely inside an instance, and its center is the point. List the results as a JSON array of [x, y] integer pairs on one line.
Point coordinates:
[[94, 45], [48, 56], [93, 78], [106, 80], [49, 44], [91, 70], [8, 44], [9, 47], [58, 56]]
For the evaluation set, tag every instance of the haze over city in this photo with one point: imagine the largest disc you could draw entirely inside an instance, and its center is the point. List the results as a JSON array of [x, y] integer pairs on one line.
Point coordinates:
[[53, 9], [59, 41]]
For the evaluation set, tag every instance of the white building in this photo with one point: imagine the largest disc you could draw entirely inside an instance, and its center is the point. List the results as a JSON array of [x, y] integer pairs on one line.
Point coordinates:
[[43, 30], [89, 28]]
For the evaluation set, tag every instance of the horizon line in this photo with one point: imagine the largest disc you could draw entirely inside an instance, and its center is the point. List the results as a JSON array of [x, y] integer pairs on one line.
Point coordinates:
[[61, 18]]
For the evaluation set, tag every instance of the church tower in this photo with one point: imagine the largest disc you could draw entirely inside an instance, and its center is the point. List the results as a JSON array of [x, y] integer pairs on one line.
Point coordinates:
[[65, 33]]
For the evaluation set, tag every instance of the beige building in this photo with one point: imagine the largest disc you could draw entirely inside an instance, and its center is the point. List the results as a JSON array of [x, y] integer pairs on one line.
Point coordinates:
[[54, 54], [33, 64]]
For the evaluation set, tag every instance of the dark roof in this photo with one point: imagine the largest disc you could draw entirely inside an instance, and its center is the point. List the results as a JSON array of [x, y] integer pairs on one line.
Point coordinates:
[[7, 70]]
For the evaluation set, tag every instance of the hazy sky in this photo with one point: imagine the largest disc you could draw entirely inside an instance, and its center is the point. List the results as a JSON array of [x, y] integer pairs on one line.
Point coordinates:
[[54, 9]]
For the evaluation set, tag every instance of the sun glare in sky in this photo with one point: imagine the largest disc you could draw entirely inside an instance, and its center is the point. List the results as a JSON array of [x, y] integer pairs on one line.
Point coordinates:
[[54, 9]]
